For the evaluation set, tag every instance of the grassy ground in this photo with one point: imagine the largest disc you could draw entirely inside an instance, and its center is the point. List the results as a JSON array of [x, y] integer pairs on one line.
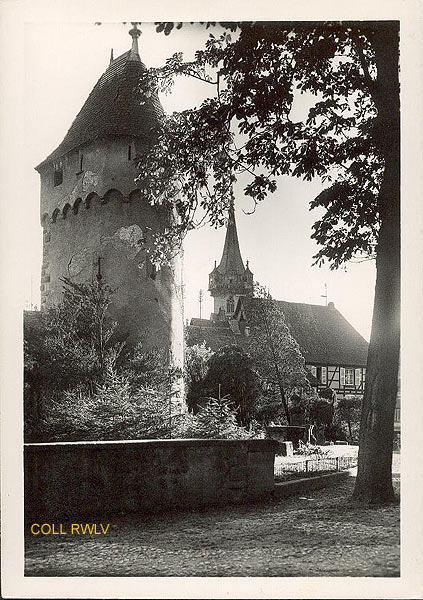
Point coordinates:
[[317, 535]]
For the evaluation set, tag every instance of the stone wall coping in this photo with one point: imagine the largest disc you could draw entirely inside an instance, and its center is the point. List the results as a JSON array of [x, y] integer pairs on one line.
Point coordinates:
[[258, 445], [284, 427]]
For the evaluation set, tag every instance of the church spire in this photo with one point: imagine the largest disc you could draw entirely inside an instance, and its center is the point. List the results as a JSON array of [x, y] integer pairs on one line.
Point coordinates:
[[135, 34], [230, 280], [231, 261]]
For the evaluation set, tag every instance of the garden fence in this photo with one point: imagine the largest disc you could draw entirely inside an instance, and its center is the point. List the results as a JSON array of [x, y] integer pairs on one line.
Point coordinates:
[[309, 465]]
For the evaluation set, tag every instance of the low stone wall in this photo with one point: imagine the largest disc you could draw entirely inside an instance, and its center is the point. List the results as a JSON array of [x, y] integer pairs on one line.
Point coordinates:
[[97, 478]]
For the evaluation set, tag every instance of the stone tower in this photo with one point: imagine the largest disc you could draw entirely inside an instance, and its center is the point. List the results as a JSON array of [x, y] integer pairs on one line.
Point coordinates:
[[230, 279], [96, 222]]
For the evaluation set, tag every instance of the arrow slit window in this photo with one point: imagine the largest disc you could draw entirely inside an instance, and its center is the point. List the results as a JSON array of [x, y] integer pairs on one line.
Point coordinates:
[[58, 174]]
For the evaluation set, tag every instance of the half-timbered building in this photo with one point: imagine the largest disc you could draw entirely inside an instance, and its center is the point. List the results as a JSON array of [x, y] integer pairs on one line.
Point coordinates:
[[334, 352]]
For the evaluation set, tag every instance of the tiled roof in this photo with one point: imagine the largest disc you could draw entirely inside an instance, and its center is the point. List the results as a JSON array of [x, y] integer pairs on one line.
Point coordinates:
[[323, 334], [209, 324], [214, 336], [116, 106]]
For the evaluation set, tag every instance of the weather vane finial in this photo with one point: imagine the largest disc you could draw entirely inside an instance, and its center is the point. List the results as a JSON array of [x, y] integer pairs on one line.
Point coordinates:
[[135, 34]]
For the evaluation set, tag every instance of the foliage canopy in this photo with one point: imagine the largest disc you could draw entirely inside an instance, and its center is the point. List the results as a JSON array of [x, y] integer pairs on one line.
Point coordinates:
[[246, 127]]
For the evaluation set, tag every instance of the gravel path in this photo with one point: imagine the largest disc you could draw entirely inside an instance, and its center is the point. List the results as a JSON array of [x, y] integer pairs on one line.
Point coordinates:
[[317, 535]]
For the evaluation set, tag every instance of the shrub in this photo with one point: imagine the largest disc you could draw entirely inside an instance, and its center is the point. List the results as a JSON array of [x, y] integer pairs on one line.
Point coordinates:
[[114, 411], [216, 420], [74, 365], [82, 383], [322, 411], [196, 364], [334, 432], [349, 411], [306, 449], [230, 374], [70, 345]]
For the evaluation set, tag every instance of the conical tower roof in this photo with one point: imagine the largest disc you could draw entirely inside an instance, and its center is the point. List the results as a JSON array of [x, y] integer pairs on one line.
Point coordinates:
[[119, 104], [231, 261]]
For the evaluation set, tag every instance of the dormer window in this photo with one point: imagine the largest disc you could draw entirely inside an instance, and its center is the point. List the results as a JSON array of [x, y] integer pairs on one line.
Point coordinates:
[[58, 174]]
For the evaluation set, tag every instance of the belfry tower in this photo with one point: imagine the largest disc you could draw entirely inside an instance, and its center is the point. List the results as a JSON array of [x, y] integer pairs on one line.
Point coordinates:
[[96, 222], [230, 279]]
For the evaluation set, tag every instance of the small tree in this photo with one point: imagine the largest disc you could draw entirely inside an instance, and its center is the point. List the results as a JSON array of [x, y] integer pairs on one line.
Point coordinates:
[[68, 346], [71, 344], [322, 412], [230, 374], [275, 353], [328, 394], [216, 419], [70, 353], [349, 410], [196, 363], [117, 411], [113, 411]]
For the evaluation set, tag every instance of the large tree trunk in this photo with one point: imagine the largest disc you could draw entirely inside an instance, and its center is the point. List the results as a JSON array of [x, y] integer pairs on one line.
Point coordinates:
[[374, 478]]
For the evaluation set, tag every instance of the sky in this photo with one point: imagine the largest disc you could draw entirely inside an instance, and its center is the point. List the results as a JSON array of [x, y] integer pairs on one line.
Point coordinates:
[[62, 64]]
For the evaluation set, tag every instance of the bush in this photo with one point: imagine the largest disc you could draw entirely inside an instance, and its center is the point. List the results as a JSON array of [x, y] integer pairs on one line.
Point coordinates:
[[75, 366], [349, 412], [116, 411], [230, 374], [334, 432], [215, 420], [82, 383], [306, 449], [112, 412], [322, 411], [196, 364], [70, 345], [327, 393]]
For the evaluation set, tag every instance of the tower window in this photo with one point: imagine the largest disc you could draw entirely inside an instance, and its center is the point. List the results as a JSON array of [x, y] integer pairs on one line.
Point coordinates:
[[58, 174], [81, 162], [130, 152], [230, 305]]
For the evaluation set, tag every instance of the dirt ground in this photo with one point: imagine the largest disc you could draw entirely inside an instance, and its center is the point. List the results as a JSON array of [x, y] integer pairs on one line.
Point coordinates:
[[319, 534]]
